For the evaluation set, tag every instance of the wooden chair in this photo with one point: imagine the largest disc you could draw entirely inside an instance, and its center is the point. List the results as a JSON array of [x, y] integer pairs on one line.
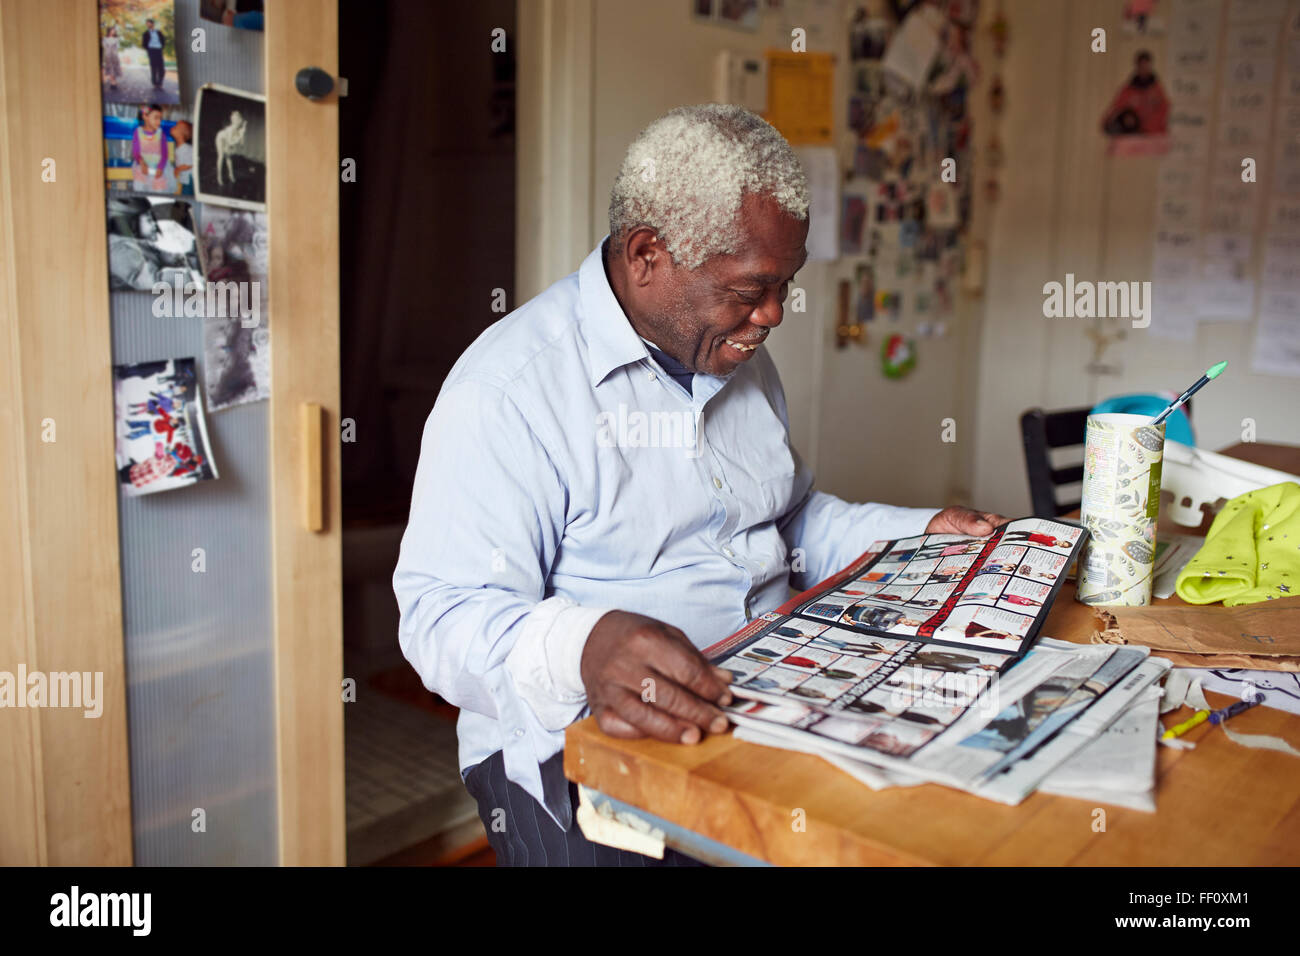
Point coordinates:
[[1041, 432]]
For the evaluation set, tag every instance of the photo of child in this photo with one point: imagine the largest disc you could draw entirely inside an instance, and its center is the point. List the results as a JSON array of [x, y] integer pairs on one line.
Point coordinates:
[[162, 439]]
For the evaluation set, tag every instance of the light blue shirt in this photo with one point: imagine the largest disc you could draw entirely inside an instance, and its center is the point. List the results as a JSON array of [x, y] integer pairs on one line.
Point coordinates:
[[563, 473]]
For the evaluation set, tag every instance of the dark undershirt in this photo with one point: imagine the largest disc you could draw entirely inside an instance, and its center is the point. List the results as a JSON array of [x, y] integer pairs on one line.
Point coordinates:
[[679, 372]]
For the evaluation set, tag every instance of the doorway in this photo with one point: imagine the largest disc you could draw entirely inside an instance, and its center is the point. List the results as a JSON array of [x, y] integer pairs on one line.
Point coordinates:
[[427, 238]]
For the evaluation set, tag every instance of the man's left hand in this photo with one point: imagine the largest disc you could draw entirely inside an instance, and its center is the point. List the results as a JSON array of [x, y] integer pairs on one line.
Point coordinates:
[[957, 520]]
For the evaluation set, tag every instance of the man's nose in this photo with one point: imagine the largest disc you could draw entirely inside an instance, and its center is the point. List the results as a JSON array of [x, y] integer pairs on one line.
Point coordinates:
[[769, 312]]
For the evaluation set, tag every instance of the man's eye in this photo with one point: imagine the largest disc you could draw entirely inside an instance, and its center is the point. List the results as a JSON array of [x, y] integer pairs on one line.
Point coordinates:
[[751, 297]]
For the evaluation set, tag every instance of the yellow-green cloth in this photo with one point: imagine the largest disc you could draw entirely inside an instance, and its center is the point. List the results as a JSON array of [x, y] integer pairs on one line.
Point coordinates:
[[1252, 551]]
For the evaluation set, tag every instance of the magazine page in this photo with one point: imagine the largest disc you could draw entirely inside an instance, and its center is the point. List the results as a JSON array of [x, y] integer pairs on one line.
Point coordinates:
[[991, 592], [877, 778], [915, 687], [1002, 604], [898, 718]]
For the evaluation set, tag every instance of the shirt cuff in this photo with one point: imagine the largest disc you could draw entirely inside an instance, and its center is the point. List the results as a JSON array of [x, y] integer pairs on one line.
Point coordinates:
[[565, 642], [545, 664]]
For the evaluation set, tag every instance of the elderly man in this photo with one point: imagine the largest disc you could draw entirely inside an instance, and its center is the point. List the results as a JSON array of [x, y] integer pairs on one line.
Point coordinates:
[[561, 557]]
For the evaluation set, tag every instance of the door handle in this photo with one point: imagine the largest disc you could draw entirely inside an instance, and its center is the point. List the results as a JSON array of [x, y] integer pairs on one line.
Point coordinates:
[[315, 84], [311, 421]]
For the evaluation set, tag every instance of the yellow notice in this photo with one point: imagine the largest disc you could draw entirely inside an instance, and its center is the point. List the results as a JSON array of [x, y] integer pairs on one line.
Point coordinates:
[[800, 95]]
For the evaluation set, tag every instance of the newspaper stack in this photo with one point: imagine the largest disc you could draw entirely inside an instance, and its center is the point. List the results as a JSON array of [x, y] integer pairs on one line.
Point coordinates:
[[1075, 720]]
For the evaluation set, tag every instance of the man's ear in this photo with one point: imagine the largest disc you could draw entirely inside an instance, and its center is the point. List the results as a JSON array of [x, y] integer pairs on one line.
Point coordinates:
[[644, 253]]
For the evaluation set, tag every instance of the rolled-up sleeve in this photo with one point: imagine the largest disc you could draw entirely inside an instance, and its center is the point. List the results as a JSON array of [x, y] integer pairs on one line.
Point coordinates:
[[487, 515]]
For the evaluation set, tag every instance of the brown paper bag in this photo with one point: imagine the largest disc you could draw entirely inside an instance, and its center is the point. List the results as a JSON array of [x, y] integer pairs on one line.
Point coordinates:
[[1262, 636]]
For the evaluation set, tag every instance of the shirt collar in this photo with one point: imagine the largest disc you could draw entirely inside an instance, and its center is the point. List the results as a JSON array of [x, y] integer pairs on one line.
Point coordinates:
[[611, 340]]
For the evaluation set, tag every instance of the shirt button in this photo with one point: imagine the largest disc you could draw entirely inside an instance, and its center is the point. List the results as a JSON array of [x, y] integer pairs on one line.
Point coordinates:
[[651, 376], [717, 482], [728, 552], [519, 731]]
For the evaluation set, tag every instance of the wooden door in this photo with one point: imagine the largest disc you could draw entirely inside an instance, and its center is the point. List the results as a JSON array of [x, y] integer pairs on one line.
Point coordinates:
[[302, 194], [65, 795]]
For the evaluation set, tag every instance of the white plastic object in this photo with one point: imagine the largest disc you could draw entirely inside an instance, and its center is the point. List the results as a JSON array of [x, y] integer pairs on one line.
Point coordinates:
[[1203, 477]]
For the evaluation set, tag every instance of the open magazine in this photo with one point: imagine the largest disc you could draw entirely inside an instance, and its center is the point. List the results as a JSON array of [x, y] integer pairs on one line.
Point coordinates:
[[895, 661]]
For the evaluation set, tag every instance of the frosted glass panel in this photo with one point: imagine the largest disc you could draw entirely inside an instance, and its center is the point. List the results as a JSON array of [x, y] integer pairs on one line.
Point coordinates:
[[199, 660]]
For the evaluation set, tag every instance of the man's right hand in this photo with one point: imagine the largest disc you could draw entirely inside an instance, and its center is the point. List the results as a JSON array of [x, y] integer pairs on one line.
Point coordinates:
[[644, 678]]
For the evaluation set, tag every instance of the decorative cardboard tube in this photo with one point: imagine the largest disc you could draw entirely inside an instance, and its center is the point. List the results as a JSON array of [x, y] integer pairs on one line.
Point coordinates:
[[1121, 502]]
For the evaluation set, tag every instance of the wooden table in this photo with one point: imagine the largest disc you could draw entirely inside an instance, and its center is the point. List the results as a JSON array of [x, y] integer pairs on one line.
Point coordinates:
[[732, 801]]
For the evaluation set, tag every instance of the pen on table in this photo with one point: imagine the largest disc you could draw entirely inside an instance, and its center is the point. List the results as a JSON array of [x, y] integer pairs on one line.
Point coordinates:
[[1213, 716], [1232, 710], [1213, 372], [1200, 717]]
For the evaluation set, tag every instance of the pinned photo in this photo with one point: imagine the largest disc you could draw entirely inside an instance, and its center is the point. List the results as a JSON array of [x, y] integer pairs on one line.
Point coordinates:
[[237, 342], [148, 149], [1140, 108], [230, 147], [853, 218], [137, 47], [151, 239], [735, 13], [162, 439], [236, 362], [240, 14]]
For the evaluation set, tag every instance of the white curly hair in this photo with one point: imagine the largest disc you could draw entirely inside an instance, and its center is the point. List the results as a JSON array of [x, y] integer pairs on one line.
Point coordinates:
[[686, 173]]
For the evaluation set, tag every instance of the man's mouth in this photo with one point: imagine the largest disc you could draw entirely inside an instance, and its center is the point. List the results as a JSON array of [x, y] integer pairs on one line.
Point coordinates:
[[746, 346]]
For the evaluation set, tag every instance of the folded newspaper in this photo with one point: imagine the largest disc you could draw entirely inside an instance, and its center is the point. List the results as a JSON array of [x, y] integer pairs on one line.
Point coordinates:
[[899, 668]]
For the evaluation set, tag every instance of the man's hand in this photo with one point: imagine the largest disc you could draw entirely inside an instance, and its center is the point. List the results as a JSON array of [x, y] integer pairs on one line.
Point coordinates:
[[964, 521], [626, 650]]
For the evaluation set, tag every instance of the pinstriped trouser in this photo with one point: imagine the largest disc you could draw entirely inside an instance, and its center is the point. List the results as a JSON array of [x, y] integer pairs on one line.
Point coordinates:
[[531, 837]]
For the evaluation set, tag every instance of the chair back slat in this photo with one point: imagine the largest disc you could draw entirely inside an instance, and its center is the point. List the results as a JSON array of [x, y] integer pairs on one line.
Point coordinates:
[[1041, 432]]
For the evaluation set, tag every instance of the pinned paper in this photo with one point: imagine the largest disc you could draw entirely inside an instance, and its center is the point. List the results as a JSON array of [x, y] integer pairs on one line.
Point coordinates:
[[800, 96], [820, 166], [914, 46]]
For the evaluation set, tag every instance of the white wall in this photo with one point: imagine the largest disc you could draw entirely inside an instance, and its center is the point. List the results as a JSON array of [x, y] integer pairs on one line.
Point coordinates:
[[1067, 207], [867, 437]]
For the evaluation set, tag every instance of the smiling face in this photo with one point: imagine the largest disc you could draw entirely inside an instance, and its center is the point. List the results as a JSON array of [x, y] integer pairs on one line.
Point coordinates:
[[712, 319]]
